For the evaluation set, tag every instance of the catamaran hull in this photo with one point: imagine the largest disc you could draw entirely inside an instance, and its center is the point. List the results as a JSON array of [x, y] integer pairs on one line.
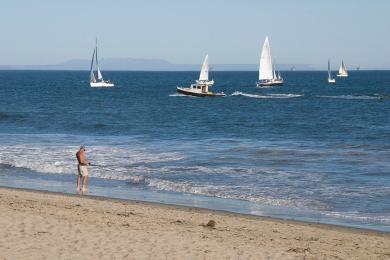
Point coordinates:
[[260, 84], [187, 91], [101, 85]]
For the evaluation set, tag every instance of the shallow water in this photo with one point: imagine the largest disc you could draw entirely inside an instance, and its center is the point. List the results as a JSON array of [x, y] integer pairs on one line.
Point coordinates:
[[308, 150]]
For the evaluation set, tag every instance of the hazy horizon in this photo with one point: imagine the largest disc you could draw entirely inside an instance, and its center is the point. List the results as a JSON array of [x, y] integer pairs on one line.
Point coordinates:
[[182, 32], [129, 64]]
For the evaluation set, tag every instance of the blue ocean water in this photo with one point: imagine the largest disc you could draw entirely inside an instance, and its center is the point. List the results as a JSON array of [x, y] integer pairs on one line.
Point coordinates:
[[307, 150]]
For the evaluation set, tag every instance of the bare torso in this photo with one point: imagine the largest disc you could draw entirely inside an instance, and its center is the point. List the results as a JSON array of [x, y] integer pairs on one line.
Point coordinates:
[[81, 158]]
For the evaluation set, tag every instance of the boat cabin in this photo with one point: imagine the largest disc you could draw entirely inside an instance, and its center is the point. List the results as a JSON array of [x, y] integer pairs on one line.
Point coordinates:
[[199, 88]]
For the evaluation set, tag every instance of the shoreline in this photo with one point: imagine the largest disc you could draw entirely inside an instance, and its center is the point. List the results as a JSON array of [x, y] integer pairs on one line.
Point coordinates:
[[117, 189], [43, 224], [205, 210]]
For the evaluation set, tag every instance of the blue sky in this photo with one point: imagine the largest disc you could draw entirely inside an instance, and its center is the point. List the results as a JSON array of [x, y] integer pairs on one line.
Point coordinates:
[[231, 32]]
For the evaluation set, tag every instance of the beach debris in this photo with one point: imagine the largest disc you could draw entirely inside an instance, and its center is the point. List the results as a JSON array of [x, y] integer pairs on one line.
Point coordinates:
[[211, 224], [299, 250], [126, 214]]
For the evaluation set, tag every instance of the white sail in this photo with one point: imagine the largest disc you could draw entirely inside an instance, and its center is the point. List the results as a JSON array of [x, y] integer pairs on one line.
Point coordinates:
[[274, 72], [92, 76], [204, 73], [330, 79], [100, 77], [99, 82], [342, 70], [266, 68], [93, 79]]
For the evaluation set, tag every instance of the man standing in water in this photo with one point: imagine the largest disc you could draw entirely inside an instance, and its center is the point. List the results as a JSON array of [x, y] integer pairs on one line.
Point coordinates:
[[82, 169]]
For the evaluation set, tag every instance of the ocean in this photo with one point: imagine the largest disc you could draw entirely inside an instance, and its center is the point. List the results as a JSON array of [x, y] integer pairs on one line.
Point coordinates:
[[307, 151]]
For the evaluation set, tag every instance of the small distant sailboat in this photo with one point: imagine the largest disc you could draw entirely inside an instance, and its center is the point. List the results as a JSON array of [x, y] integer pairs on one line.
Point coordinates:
[[267, 73], [330, 79], [99, 82], [201, 87], [342, 71]]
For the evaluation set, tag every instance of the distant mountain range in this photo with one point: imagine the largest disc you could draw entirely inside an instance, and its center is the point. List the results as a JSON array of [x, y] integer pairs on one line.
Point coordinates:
[[130, 64]]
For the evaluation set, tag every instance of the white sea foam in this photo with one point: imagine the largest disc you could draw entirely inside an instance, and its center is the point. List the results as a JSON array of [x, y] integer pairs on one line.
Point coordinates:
[[180, 95], [264, 87], [159, 170], [238, 93], [220, 191], [361, 217], [177, 95], [114, 162]]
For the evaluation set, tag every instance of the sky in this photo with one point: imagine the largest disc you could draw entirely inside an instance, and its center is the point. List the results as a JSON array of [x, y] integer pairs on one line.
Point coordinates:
[[182, 31]]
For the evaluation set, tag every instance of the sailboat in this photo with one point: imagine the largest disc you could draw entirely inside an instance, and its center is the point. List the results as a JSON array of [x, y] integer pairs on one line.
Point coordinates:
[[342, 71], [99, 82], [201, 86], [330, 79], [267, 72]]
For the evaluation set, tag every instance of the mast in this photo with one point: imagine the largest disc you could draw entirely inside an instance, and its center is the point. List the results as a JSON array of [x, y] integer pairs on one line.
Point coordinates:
[[329, 76], [97, 63], [99, 73]]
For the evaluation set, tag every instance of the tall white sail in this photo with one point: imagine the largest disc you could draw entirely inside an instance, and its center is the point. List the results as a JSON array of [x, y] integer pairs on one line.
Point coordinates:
[[266, 68], [204, 73], [342, 70], [92, 76], [330, 79], [98, 82]]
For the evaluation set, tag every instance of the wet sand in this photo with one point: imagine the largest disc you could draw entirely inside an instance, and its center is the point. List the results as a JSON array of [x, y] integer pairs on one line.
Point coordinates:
[[46, 225]]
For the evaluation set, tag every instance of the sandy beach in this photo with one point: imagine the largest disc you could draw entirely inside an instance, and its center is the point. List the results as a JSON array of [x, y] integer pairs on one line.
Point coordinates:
[[43, 225]]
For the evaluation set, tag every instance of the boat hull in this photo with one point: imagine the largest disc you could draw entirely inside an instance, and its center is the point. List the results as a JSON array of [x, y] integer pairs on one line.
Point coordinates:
[[342, 75], [260, 84], [101, 85], [187, 91]]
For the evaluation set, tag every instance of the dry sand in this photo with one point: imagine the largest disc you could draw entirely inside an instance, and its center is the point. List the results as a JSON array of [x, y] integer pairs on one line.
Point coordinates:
[[43, 225]]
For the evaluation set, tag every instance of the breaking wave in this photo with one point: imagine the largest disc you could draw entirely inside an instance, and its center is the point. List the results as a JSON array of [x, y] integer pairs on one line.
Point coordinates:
[[239, 93], [361, 217], [177, 95]]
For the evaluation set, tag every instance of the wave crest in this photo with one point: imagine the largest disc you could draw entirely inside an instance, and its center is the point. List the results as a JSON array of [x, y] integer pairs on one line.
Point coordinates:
[[239, 93]]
